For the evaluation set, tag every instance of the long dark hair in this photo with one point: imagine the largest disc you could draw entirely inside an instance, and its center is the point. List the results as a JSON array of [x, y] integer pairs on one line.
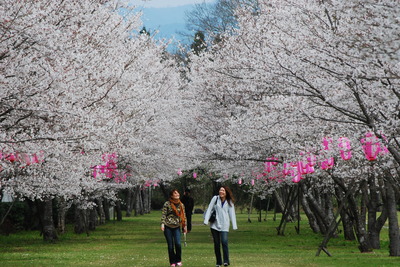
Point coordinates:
[[229, 194], [172, 192]]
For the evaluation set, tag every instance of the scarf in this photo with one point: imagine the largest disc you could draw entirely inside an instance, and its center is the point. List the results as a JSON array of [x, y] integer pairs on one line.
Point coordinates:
[[180, 214]]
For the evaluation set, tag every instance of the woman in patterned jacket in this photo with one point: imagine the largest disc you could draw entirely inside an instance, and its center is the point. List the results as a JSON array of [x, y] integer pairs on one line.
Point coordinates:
[[172, 219]]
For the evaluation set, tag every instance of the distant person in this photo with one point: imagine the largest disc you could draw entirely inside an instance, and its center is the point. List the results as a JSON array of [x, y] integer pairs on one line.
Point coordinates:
[[172, 219], [225, 213], [188, 201]]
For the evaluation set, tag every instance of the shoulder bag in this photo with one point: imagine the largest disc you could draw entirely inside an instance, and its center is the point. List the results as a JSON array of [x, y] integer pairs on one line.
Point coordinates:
[[213, 215]]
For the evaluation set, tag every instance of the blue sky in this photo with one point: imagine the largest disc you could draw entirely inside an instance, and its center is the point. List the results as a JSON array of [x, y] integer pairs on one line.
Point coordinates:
[[166, 16], [166, 3]]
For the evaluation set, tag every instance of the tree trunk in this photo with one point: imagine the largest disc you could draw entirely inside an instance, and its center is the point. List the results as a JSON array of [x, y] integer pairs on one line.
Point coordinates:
[[394, 237], [250, 208], [48, 229], [129, 202], [359, 218], [92, 219], [62, 211], [360, 227], [100, 210], [372, 205], [310, 215], [318, 212], [348, 225], [118, 210], [149, 193], [279, 200], [81, 225], [138, 201], [347, 221], [328, 204], [146, 201], [106, 206]]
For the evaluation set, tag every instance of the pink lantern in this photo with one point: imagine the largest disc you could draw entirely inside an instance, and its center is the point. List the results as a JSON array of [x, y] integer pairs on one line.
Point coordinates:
[[297, 178], [345, 155], [304, 168], [267, 166], [240, 181], [287, 169], [194, 175], [11, 157], [301, 168], [27, 159], [35, 158], [179, 172], [326, 142], [252, 181], [293, 164], [38, 157], [309, 169], [371, 146], [312, 159], [327, 164], [344, 145]]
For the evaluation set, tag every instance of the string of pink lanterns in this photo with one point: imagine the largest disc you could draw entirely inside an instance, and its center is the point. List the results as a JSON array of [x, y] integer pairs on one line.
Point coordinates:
[[109, 170], [372, 148], [24, 159], [371, 144]]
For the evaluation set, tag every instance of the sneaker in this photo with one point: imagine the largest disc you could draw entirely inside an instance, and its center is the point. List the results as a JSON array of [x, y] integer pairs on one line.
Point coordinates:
[[179, 264], [226, 264], [173, 265]]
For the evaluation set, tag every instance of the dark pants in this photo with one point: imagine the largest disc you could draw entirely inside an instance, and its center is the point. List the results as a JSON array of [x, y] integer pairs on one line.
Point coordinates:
[[173, 237], [189, 222], [220, 237]]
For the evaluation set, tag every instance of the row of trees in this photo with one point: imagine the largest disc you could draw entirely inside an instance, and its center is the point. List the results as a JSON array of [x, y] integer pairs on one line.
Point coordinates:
[[291, 73], [79, 80]]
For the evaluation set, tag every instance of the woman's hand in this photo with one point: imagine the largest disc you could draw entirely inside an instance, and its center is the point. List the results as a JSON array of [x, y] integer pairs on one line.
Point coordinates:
[[162, 227], [185, 229]]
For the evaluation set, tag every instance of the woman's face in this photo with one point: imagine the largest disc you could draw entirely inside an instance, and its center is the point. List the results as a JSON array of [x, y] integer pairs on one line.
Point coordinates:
[[175, 195], [222, 192]]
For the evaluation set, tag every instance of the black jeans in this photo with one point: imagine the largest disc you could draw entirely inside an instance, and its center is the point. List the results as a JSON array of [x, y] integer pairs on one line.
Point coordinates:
[[220, 237], [173, 237], [189, 222]]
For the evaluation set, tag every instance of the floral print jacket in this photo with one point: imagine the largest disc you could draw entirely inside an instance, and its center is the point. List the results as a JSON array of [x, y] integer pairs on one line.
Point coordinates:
[[168, 217]]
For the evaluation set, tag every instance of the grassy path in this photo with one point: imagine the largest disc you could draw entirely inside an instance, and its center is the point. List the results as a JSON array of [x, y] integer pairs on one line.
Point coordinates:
[[138, 241]]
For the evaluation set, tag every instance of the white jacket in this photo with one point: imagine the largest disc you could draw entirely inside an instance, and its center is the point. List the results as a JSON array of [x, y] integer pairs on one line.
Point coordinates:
[[225, 214]]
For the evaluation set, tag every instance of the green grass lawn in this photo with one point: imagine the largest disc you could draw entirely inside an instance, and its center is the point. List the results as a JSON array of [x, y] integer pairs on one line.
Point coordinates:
[[138, 241]]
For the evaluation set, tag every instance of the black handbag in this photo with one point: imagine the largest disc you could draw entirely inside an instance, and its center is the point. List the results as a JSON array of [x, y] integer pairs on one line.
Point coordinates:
[[213, 215]]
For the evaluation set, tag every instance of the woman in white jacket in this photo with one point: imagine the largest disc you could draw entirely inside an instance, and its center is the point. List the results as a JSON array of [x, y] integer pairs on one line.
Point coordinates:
[[225, 213]]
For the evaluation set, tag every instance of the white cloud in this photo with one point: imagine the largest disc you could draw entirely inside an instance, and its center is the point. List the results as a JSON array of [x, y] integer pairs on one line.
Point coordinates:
[[167, 3]]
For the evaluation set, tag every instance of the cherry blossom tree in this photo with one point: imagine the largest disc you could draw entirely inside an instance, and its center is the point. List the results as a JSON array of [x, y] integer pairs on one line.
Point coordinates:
[[77, 81], [297, 72]]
